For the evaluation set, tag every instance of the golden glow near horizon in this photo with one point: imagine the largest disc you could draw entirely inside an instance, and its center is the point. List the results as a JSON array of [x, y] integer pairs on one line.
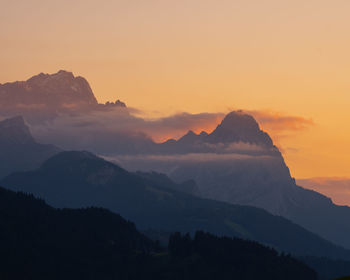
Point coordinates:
[[200, 56]]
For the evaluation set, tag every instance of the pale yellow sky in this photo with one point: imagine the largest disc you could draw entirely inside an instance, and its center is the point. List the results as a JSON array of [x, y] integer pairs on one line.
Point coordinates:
[[200, 56]]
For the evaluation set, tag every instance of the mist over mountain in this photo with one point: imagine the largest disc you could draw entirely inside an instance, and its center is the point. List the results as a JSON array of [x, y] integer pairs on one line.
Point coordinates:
[[19, 151], [237, 133], [62, 109]]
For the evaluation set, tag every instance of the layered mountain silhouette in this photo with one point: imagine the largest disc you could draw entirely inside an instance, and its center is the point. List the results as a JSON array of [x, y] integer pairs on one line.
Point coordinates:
[[80, 179], [18, 149], [238, 163], [40, 242]]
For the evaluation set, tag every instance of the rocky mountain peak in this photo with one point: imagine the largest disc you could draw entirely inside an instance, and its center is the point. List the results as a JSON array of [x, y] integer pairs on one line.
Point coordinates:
[[44, 96], [47, 92], [238, 126], [239, 120]]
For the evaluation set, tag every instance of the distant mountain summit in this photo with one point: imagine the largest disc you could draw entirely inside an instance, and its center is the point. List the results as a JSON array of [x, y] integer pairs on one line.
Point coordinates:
[[59, 90], [235, 129], [239, 127], [44, 95], [18, 149]]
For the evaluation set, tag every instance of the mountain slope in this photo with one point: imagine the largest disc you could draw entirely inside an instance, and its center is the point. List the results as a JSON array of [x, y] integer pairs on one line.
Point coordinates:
[[18, 149], [333, 187], [40, 242], [79, 179]]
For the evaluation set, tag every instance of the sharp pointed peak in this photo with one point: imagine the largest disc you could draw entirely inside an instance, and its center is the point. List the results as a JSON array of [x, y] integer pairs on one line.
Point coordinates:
[[190, 132]]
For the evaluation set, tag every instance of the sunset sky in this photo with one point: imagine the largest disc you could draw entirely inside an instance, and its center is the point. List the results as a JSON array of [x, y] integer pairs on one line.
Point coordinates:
[[287, 58]]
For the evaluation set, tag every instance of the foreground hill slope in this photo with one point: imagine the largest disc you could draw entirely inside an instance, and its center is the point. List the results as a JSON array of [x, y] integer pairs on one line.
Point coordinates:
[[40, 242], [80, 179]]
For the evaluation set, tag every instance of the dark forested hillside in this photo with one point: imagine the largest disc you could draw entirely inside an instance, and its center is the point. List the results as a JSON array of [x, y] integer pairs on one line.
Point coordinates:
[[328, 268], [220, 257], [40, 242]]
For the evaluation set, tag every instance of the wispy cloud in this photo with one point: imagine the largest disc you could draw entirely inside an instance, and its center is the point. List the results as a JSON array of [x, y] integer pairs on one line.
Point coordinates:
[[112, 127], [279, 123]]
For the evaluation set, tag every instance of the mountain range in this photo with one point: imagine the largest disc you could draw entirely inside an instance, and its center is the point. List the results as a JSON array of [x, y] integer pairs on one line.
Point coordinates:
[[236, 163], [232, 181], [248, 171]]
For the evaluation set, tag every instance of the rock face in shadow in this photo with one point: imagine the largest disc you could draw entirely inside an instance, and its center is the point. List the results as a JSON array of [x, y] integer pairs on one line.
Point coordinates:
[[18, 149]]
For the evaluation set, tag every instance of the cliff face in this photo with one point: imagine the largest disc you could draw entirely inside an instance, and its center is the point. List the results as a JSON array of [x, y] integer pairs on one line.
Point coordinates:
[[59, 91], [44, 96]]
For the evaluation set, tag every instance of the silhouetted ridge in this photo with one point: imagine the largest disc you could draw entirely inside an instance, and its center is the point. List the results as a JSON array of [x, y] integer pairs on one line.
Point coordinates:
[[71, 158], [84, 166], [80, 179]]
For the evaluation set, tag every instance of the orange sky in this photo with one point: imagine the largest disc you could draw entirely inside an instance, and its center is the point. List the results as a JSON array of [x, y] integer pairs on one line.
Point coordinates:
[[200, 56]]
